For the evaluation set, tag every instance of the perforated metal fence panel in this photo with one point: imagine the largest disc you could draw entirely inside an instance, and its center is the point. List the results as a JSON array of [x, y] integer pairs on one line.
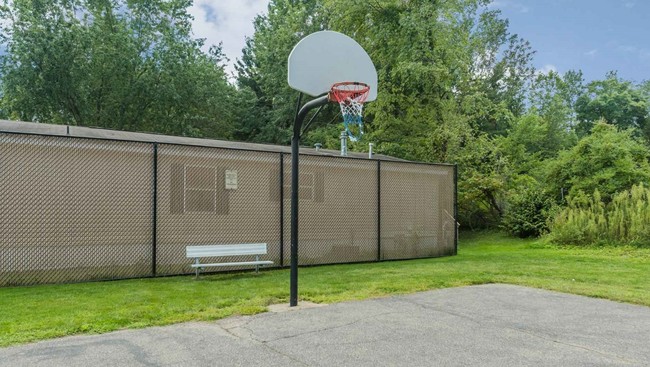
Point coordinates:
[[337, 210], [73, 209], [417, 210], [78, 209], [196, 206]]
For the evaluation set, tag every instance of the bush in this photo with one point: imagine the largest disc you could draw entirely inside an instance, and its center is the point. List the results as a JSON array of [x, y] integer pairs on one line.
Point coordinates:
[[590, 220], [608, 160], [527, 213]]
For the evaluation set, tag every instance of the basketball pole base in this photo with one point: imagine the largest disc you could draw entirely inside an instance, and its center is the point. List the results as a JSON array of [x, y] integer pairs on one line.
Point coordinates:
[[295, 146]]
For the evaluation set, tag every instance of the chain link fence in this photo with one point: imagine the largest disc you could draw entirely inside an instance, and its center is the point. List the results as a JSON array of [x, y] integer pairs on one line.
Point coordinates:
[[77, 209], [337, 210], [417, 211], [195, 208], [74, 209]]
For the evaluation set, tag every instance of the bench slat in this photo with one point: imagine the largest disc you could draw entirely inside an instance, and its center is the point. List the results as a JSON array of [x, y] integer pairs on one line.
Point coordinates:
[[233, 264], [226, 250]]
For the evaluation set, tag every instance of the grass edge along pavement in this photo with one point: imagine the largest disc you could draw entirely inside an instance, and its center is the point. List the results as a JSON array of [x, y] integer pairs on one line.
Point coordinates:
[[47, 311]]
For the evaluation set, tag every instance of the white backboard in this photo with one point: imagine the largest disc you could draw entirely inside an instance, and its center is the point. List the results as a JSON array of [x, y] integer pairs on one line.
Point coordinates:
[[327, 57]]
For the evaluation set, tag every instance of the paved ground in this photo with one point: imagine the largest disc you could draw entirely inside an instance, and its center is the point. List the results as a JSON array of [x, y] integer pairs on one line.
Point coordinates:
[[489, 325]]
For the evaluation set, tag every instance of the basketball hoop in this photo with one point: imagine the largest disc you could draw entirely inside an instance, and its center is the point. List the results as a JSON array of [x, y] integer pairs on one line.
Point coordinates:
[[316, 65], [351, 96]]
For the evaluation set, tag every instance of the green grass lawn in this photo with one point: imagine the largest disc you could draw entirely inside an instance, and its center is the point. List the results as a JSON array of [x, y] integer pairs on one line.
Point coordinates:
[[40, 312]]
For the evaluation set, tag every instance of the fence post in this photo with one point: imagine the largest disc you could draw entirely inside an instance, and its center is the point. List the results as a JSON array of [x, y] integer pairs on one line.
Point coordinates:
[[455, 209], [154, 224], [281, 209], [378, 210]]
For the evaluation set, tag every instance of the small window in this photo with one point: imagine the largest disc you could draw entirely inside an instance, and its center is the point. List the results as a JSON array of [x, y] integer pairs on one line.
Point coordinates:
[[305, 186], [311, 186], [198, 189]]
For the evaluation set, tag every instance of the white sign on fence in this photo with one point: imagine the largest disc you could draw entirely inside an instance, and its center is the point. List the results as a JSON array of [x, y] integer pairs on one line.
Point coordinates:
[[231, 180]]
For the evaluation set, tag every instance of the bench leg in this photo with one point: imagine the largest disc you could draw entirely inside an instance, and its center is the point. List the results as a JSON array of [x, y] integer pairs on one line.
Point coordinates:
[[196, 261], [257, 267]]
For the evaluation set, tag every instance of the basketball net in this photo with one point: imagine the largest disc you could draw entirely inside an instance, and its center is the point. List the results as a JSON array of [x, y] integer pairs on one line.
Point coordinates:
[[351, 96]]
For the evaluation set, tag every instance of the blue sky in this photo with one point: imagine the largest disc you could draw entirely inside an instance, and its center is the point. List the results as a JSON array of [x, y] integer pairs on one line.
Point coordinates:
[[594, 36], [226, 21]]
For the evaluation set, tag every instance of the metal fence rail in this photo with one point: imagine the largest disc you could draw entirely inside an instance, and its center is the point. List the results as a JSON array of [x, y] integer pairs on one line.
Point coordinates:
[[77, 209]]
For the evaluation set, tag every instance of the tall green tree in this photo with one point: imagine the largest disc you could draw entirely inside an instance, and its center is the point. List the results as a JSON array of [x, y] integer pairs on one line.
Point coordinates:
[[451, 77], [554, 96], [128, 65], [618, 101], [608, 160], [531, 140], [644, 87], [262, 70], [435, 60]]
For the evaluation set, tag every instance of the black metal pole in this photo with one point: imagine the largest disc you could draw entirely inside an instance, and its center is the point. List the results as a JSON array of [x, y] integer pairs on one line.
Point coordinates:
[[378, 210], [455, 209], [295, 143], [293, 299], [281, 209], [154, 223]]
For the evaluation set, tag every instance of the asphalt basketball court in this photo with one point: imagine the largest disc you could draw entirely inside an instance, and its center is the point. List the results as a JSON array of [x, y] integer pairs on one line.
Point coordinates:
[[487, 325]]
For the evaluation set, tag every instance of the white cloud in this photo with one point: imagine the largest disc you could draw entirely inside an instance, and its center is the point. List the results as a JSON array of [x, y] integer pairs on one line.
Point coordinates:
[[546, 69], [591, 53], [227, 21]]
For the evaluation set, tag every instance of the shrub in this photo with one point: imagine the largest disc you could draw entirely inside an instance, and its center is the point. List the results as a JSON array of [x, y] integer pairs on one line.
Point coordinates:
[[607, 160], [527, 213], [590, 220]]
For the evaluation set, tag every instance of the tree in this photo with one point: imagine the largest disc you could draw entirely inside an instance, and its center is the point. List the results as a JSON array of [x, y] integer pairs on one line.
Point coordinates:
[[450, 77], [128, 65], [428, 53], [531, 140], [262, 70], [554, 96], [644, 88], [607, 160], [617, 101], [482, 183], [527, 213]]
